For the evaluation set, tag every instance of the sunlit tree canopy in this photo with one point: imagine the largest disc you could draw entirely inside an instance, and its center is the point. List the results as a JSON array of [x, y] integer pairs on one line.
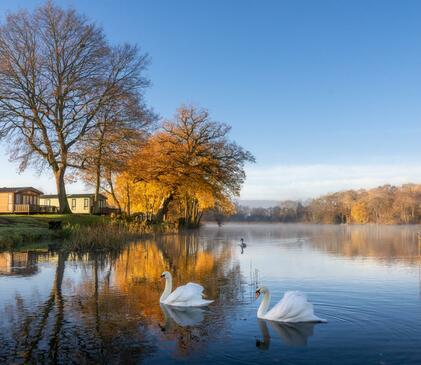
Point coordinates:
[[193, 165]]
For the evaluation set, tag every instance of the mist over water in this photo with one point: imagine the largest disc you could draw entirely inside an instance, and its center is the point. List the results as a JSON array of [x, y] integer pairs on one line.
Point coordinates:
[[365, 280]]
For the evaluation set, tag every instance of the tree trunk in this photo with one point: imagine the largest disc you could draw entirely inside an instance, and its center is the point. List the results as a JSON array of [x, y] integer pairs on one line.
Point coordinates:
[[61, 191], [163, 208], [97, 185], [199, 218], [110, 182], [128, 208], [98, 166]]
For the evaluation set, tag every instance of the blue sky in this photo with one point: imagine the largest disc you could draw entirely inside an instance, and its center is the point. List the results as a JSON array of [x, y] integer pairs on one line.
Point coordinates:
[[326, 94]]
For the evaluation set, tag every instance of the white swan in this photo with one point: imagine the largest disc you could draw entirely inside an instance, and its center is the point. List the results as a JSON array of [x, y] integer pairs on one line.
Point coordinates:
[[292, 308], [189, 295]]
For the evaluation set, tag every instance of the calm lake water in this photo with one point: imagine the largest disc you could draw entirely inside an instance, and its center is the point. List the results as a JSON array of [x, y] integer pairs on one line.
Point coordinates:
[[365, 280]]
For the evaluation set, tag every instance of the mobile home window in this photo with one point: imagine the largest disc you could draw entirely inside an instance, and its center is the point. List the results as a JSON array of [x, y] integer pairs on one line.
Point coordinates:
[[85, 203], [73, 203]]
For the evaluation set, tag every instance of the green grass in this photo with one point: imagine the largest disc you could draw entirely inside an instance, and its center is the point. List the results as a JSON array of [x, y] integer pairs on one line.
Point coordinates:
[[43, 219], [21, 230]]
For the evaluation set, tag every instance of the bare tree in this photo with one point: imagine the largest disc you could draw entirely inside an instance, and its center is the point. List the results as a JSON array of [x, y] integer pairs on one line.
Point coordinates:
[[122, 126], [57, 72]]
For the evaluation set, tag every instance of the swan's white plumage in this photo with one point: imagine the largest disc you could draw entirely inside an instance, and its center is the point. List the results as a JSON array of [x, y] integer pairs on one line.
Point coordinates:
[[189, 295], [292, 308]]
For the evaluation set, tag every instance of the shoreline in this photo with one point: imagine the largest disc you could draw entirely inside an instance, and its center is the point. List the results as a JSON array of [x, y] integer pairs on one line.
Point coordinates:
[[76, 232]]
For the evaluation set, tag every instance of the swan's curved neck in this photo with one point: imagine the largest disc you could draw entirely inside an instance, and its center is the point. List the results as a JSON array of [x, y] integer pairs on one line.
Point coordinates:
[[264, 305], [168, 289]]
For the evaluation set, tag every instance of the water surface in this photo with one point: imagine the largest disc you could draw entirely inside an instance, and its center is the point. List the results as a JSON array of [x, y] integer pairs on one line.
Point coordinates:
[[365, 280]]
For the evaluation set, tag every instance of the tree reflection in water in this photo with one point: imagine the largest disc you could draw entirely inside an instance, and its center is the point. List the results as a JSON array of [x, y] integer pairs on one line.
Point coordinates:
[[106, 307], [379, 242], [29, 327], [383, 243]]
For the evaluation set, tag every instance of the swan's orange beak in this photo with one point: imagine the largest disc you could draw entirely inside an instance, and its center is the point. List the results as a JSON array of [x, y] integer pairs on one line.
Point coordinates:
[[162, 276], [257, 293]]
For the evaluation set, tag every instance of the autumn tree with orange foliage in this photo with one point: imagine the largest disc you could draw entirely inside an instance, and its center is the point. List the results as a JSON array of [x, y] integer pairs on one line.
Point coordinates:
[[192, 165]]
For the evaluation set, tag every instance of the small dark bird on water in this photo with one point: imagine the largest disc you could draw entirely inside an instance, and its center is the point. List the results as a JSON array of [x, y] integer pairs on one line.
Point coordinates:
[[242, 245]]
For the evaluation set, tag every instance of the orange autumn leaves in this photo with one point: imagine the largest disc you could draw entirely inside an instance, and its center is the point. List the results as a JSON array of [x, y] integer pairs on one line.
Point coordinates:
[[186, 167]]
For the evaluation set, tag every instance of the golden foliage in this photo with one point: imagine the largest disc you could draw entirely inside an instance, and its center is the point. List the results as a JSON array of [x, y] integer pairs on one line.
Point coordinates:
[[384, 205], [359, 212], [186, 167]]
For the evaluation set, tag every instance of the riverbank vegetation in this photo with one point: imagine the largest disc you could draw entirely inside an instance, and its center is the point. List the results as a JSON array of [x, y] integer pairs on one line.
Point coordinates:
[[76, 233], [384, 205], [18, 230]]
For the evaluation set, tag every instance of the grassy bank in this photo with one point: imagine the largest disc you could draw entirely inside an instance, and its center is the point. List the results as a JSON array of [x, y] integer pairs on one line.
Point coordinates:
[[22, 230], [80, 233]]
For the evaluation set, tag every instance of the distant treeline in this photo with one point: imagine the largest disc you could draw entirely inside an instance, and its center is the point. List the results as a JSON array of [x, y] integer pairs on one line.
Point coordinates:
[[386, 204]]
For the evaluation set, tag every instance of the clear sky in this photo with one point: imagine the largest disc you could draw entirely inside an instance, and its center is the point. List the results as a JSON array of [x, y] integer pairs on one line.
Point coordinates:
[[326, 94]]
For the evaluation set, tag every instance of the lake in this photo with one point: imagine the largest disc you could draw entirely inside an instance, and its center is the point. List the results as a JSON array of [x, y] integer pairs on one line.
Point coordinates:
[[365, 280]]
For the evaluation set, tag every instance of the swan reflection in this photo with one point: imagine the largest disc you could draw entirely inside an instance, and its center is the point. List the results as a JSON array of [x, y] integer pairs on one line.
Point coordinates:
[[182, 316], [291, 334]]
